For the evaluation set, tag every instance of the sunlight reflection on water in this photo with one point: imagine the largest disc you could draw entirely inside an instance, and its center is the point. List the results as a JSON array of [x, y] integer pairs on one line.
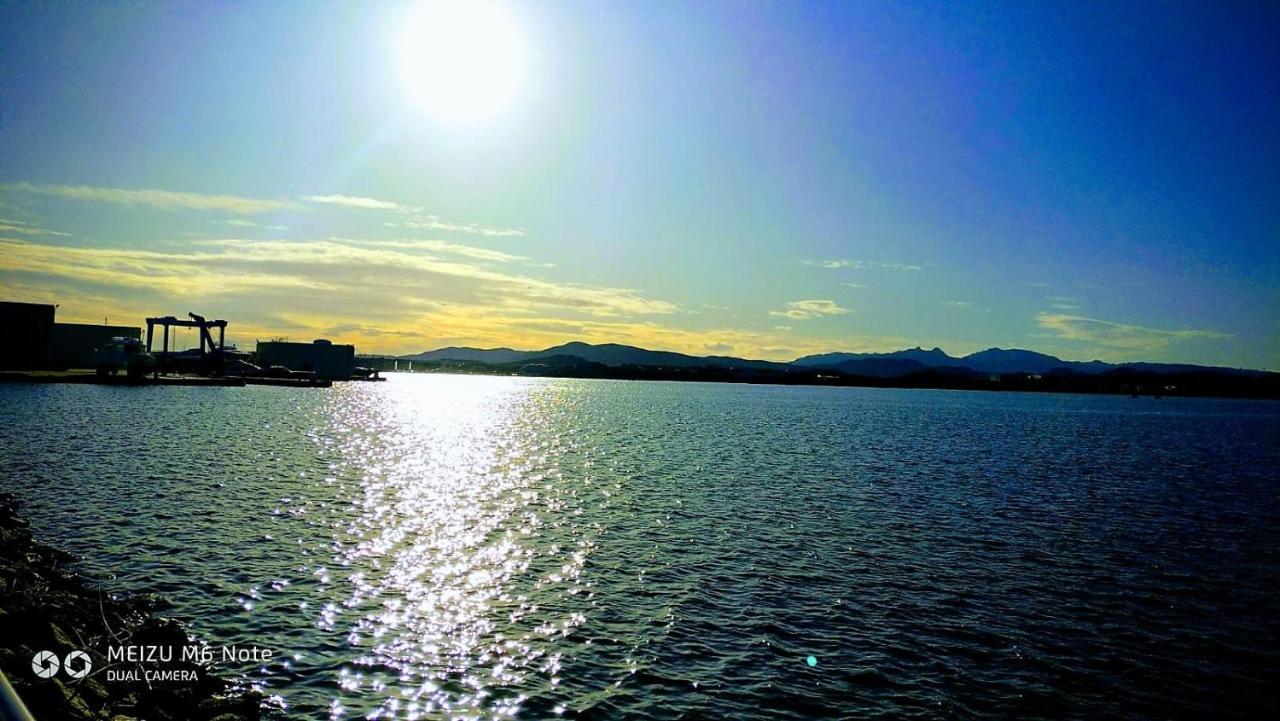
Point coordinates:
[[453, 487]]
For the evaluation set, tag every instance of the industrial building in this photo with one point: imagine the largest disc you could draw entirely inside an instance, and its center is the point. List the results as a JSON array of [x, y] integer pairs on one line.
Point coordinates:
[[29, 326], [326, 360], [40, 343], [72, 344]]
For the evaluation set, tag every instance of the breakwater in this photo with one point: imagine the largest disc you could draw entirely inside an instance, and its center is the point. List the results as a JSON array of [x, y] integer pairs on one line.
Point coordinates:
[[58, 624]]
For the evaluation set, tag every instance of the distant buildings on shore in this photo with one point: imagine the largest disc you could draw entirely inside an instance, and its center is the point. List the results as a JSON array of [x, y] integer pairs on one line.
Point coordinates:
[[35, 341], [326, 360]]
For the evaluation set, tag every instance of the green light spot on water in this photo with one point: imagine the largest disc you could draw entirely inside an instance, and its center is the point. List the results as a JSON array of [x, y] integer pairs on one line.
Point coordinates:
[[811, 661]]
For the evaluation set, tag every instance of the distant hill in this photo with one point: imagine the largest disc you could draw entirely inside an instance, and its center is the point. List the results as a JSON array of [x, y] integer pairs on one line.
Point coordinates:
[[609, 354], [491, 355], [613, 354], [895, 364], [878, 367], [1001, 360], [1014, 360], [933, 358], [1167, 368], [993, 369]]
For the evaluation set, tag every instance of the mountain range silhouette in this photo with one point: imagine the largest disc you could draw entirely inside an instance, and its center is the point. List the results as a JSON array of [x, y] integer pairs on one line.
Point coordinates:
[[880, 365]]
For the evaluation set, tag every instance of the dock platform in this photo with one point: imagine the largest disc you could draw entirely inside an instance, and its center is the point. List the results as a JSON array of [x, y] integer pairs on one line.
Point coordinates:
[[209, 380], [92, 378], [288, 382]]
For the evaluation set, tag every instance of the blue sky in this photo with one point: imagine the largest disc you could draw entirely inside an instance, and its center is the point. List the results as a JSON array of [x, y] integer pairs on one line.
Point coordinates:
[[1091, 180]]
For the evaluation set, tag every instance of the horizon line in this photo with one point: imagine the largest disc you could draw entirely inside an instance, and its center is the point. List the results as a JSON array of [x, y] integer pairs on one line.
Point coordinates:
[[810, 355]]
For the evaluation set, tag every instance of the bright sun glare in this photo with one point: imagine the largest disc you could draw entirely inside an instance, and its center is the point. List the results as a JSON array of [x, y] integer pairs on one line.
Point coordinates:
[[462, 61]]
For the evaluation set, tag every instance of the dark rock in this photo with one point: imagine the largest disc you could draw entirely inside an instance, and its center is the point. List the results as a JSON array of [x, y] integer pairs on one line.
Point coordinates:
[[44, 606]]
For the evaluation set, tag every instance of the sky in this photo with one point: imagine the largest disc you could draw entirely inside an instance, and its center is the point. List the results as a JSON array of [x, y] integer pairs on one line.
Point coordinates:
[[769, 180]]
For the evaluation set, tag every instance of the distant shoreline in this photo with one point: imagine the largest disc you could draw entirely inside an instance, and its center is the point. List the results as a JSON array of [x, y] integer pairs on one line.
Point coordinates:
[[1131, 383], [993, 369], [1194, 385]]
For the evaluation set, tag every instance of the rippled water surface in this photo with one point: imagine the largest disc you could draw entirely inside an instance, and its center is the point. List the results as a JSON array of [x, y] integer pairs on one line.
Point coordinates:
[[439, 546]]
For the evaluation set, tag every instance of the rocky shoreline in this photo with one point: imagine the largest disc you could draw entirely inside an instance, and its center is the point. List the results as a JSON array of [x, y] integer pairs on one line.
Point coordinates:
[[46, 606]]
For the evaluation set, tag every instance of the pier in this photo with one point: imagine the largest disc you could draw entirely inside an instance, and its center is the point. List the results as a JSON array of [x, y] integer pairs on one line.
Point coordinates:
[[89, 377]]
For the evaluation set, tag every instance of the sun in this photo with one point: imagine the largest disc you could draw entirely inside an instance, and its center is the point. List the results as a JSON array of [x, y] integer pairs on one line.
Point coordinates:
[[462, 61]]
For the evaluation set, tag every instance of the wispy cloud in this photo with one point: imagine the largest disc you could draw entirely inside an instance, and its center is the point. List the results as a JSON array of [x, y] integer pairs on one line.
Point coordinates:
[[413, 217], [132, 272], [355, 201], [469, 251], [1119, 336], [391, 295], [1063, 302], [162, 199], [965, 305], [239, 223], [367, 330], [17, 226], [383, 299], [432, 222], [358, 269], [837, 263], [805, 309], [419, 220]]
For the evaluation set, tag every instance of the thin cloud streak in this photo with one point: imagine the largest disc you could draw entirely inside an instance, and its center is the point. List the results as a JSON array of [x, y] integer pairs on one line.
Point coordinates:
[[806, 309], [160, 199], [966, 305], [17, 226], [324, 265], [1119, 336], [354, 201], [178, 200], [239, 223], [418, 222], [470, 251], [432, 222], [856, 264]]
